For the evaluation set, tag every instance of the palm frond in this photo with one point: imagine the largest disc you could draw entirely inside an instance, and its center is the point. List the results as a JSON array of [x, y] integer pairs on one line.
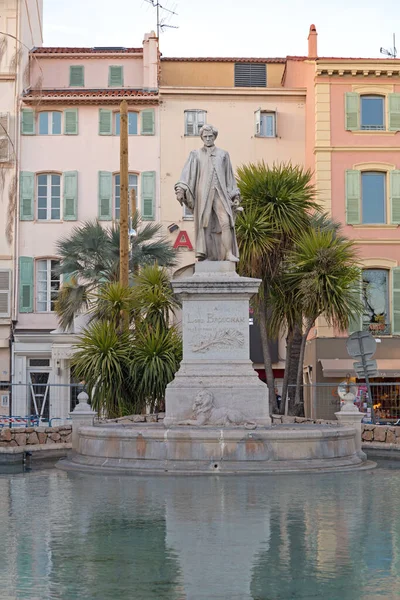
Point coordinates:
[[72, 298]]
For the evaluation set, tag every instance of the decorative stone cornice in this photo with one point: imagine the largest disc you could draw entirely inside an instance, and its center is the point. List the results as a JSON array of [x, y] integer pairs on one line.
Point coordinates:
[[358, 68]]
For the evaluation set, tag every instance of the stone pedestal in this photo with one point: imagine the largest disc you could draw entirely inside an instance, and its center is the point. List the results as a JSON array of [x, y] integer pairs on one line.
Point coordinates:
[[83, 414], [350, 416], [216, 351]]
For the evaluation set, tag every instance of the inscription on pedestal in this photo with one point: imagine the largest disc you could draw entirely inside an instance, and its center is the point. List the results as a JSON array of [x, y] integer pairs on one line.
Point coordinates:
[[217, 328]]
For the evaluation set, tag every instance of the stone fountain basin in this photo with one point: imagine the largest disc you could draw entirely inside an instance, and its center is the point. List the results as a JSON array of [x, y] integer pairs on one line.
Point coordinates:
[[151, 448]]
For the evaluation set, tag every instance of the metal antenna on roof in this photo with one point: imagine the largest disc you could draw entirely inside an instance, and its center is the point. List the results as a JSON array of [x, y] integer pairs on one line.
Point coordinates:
[[161, 21], [392, 52]]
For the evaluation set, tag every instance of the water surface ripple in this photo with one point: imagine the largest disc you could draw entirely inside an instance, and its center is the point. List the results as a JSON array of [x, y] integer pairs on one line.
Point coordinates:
[[75, 537]]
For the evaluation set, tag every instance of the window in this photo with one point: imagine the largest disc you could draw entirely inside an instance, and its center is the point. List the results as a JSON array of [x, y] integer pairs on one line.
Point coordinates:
[[50, 123], [375, 297], [115, 76], [132, 123], [187, 213], [5, 291], [373, 197], [76, 76], [265, 123], [250, 75], [372, 112], [4, 139], [194, 121], [48, 197], [132, 185], [47, 284]]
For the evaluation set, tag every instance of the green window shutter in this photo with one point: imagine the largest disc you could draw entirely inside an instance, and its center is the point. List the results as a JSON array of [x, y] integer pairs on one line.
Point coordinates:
[[70, 195], [353, 197], [395, 196], [76, 76], [105, 122], [352, 111], [147, 117], [148, 195], [71, 121], [26, 195], [394, 112], [27, 121], [105, 196], [115, 76], [396, 300], [355, 322], [25, 284]]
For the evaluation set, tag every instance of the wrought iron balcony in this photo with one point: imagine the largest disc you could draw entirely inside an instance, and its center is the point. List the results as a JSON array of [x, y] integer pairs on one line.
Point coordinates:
[[378, 328]]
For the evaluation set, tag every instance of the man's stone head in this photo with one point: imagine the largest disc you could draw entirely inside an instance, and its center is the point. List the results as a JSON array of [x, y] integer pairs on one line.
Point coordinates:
[[208, 134]]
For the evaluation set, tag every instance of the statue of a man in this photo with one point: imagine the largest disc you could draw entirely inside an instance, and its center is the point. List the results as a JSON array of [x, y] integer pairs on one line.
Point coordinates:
[[207, 186]]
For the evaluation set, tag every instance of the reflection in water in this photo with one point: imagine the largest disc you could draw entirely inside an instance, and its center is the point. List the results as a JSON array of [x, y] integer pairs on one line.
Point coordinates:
[[67, 536]]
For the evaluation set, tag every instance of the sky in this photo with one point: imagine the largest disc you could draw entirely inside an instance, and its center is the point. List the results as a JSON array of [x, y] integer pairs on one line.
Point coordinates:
[[349, 28]]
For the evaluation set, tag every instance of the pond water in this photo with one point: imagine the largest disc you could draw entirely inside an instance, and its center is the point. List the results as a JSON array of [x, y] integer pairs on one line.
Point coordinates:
[[72, 536]]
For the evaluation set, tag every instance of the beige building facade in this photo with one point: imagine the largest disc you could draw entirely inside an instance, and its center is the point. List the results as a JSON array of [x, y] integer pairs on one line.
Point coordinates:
[[257, 119]]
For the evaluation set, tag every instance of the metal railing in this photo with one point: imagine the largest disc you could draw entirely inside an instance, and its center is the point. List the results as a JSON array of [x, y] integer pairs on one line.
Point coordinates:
[[321, 400], [34, 404], [377, 328]]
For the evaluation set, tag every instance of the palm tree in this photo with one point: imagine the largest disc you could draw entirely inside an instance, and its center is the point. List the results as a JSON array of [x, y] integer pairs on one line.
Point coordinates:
[[277, 202], [323, 277], [102, 360], [90, 256], [286, 314], [127, 371]]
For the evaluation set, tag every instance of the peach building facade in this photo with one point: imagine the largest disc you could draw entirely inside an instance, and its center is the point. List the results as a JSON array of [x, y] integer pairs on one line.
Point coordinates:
[[69, 173], [21, 29], [256, 117]]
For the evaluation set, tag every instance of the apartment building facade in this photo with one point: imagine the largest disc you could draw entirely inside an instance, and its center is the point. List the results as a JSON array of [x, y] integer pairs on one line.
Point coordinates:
[[20, 30], [69, 174], [352, 145]]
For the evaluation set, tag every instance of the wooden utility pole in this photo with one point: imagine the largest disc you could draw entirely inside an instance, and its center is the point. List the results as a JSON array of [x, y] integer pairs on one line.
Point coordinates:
[[124, 206], [124, 211]]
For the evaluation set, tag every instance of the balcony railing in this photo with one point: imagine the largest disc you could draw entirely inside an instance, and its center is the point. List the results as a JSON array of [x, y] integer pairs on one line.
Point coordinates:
[[377, 328], [373, 127]]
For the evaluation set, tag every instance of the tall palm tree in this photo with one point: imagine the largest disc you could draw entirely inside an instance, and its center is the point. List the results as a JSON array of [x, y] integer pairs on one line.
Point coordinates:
[[277, 202], [323, 277], [90, 256], [286, 315]]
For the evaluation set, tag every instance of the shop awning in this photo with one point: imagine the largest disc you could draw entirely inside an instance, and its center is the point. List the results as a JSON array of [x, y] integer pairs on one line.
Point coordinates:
[[339, 367]]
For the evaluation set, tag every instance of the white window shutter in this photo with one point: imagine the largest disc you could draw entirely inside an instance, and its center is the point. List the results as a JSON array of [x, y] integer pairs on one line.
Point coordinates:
[[257, 121], [5, 149], [5, 293]]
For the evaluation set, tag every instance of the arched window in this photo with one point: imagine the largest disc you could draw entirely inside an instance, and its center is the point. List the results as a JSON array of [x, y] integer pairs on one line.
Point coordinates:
[[372, 112], [48, 197], [132, 185], [47, 284]]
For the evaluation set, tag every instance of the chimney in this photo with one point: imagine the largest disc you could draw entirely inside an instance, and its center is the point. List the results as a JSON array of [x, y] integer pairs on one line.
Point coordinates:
[[150, 61], [312, 42]]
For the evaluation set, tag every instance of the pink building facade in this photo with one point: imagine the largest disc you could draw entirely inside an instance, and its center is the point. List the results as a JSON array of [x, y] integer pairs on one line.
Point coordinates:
[[352, 145], [69, 174]]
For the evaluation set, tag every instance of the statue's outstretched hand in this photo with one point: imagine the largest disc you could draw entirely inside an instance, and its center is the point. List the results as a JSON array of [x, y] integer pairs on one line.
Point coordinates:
[[180, 195]]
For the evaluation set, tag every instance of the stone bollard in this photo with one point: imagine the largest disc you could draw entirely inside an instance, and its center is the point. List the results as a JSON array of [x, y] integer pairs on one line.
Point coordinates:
[[350, 415], [81, 415]]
